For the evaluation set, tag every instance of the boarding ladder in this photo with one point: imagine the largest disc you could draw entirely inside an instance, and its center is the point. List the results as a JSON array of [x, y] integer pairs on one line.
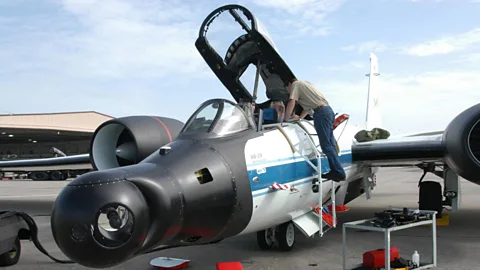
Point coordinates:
[[298, 125]]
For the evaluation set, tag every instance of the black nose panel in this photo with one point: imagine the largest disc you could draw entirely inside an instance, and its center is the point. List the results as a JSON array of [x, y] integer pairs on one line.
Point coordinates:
[[100, 219]]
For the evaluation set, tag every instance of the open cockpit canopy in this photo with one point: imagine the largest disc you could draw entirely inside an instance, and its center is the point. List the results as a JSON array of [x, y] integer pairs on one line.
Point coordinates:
[[254, 47]]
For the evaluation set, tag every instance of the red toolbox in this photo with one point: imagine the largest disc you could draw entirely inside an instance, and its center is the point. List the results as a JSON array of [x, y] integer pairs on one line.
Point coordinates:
[[229, 266], [376, 258]]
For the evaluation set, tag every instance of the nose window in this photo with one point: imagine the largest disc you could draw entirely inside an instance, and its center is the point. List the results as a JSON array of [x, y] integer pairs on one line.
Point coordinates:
[[114, 225]]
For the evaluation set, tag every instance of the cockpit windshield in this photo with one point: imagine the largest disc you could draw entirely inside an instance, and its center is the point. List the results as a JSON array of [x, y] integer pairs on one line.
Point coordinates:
[[217, 116], [204, 118]]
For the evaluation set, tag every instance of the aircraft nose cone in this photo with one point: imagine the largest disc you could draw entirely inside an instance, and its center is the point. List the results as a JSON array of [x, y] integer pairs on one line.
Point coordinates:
[[100, 219], [126, 151]]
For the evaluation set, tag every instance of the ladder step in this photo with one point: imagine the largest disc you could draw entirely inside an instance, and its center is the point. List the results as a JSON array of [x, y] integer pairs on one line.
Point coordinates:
[[307, 223], [338, 208], [326, 217]]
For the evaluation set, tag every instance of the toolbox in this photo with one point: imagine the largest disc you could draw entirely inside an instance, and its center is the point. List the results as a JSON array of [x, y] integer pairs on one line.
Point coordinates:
[[376, 258]]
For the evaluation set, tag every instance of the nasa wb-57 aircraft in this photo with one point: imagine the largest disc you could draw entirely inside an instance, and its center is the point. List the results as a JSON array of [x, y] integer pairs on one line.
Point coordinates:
[[234, 168]]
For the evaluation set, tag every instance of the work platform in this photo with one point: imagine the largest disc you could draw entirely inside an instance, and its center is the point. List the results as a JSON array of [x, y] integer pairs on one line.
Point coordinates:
[[369, 225]]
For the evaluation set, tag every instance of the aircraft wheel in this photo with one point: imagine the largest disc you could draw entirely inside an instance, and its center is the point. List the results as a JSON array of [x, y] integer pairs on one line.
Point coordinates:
[[286, 236], [56, 175], [11, 257], [266, 238], [38, 176]]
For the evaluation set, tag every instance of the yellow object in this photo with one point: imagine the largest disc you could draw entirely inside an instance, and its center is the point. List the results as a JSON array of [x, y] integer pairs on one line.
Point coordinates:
[[404, 268], [443, 221]]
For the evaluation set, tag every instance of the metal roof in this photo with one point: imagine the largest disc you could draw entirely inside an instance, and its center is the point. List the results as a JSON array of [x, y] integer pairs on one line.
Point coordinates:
[[86, 121]]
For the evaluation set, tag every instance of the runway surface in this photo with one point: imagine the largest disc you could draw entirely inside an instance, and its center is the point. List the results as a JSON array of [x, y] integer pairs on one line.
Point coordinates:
[[458, 243]]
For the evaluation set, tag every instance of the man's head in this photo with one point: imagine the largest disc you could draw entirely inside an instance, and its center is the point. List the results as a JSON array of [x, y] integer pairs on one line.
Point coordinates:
[[289, 86]]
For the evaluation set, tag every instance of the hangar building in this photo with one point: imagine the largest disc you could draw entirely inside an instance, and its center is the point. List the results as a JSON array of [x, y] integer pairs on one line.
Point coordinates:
[[27, 136]]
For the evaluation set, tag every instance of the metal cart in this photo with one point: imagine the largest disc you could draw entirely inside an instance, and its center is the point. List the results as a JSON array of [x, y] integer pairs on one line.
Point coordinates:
[[366, 224]]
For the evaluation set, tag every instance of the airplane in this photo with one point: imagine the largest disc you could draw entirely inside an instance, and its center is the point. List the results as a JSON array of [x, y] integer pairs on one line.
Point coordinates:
[[234, 169]]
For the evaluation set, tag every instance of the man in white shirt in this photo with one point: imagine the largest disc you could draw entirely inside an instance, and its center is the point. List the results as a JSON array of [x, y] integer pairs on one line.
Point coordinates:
[[311, 99]]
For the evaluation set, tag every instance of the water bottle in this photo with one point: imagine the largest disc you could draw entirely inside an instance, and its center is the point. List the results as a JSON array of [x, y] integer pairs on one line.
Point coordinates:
[[416, 259]]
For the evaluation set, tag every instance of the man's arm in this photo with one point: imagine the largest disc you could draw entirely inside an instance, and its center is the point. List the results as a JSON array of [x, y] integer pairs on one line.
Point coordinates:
[[291, 103], [289, 110], [303, 114]]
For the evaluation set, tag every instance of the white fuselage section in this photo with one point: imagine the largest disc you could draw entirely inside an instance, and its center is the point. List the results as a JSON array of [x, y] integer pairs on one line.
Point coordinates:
[[270, 160]]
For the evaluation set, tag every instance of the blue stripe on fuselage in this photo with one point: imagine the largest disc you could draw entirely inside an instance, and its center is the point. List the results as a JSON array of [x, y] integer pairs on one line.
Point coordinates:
[[295, 170]]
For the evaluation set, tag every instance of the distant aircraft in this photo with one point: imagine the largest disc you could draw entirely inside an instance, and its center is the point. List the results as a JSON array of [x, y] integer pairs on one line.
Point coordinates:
[[233, 169], [57, 152]]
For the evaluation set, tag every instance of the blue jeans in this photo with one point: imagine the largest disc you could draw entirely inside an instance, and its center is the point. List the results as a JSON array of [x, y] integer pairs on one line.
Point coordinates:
[[323, 119]]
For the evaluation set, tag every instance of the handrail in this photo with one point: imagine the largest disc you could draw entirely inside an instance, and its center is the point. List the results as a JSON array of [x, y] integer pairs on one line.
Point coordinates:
[[318, 168]]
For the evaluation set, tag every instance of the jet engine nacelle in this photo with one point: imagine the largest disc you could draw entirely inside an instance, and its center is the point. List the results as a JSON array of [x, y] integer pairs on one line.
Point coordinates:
[[462, 144], [128, 140]]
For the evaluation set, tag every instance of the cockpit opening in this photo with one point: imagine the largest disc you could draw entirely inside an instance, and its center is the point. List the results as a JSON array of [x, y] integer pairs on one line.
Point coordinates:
[[251, 46], [218, 117]]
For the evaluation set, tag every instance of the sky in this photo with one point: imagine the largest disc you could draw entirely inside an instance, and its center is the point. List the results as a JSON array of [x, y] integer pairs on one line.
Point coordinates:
[[138, 57]]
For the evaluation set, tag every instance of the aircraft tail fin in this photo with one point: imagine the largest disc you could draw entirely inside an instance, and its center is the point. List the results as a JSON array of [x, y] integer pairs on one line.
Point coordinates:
[[373, 117]]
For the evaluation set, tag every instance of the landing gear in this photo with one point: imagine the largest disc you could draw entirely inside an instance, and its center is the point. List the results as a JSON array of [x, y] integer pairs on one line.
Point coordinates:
[[266, 238], [430, 193], [284, 235]]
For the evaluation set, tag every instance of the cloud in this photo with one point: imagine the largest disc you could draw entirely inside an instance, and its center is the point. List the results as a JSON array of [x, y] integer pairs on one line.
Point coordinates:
[[368, 46], [416, 1], [109, 39], [303, 17], [118, 57], [446, 44], [472, 58], [349, 66], [402, 98]]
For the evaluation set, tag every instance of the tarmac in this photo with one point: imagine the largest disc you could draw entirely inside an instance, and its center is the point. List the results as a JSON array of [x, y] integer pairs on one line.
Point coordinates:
[[457, 244]]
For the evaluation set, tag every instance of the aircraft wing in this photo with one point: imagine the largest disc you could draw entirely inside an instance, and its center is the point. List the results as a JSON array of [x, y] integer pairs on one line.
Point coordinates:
[[56, 161], [403, 151], [457, 147], [424, 133]]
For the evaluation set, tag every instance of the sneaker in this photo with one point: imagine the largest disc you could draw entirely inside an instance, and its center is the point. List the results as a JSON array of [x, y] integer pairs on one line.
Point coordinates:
[[326, 175], [336, 177]]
